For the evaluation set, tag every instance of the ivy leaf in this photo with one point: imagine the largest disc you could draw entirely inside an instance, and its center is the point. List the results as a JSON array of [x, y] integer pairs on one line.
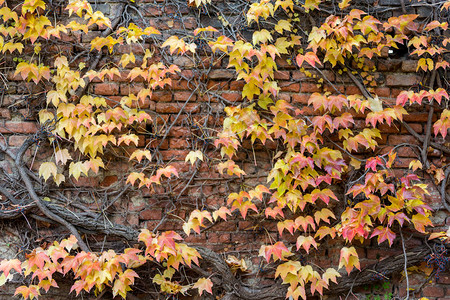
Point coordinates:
[[330, 274], [383, 233], [349, 259], [62, 156], [193, 156], [221, 212], [75, 169], [289, 267], [31, 291], [415, 164], [375, 104], [306, 243], [344, 4], [325, 214], [126, 59], [7, 264], [278, 251], [139, 154], [420, 221], [48, 169], [203, 284]]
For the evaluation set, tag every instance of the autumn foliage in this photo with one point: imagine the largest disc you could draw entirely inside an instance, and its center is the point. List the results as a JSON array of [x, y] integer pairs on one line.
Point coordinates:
[[319, 144]]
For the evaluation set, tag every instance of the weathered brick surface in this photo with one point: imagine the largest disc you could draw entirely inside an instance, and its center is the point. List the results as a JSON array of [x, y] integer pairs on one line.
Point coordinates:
[[200, 119]]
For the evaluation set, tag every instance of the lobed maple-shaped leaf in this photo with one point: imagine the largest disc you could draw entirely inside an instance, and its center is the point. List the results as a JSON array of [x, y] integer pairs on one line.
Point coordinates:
[[349, 258], [193, 156], [62, 156], [324, 214], [139, 154], [330, 274], [31, 291], [48, 169], [323, 231], [203, 284], [289, 267], [306, 242], [384, 233], [222, 212], [277, 250], [7, 264], [295, 292], [420, 221]]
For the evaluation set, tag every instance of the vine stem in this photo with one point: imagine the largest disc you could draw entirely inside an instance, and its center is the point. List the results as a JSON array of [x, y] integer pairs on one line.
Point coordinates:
[[405, 267]]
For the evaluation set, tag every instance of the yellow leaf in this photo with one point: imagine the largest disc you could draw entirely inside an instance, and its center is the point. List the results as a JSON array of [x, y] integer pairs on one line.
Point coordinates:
[[126, 59], [261, 36], [59, 178], [193, 156], [75, 169], [375, 104], [48, 169], [203, 284], [355, 163], [415, 164], [62, 156], [283, 25], [344, 4]]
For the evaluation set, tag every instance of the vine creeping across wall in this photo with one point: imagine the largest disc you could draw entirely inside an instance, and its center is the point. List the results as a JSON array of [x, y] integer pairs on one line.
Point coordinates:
[[326, 122]]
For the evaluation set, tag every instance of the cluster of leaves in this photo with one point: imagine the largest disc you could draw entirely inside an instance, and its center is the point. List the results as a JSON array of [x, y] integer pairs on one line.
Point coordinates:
[[297, 197], [379, 203], [93, 271]]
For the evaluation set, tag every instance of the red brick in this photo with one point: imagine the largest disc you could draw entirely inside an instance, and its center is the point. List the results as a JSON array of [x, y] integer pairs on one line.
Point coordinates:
[[183, 62], [232, 97], [183, 96], [178, 143], [179, 131], [108, 180], [409, 66], [150, 214], [162, 96], [416, 127], [406, 152], [416, 117], [403, 163], [382, 92], [17, 140], [352, 90], [400, 139], [137, 49], [108, 89], [237, 85], [221, 74], [86, 182], [134, 88], [218, 237], [282, 63], [433, 291], [217, 85], [174, 154], [298, 75], [176, 107], [300, 98], [406, 80], [284, 96], [289, 86], [5, 114], [18, 127], [281, 75], [307, 87], [332, 88]]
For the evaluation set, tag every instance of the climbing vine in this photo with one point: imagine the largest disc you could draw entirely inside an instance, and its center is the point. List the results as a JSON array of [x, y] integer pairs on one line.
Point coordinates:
[[329, 179]]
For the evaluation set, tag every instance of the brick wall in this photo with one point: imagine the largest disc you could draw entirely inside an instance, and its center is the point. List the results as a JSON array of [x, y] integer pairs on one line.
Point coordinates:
[[188, 115]]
